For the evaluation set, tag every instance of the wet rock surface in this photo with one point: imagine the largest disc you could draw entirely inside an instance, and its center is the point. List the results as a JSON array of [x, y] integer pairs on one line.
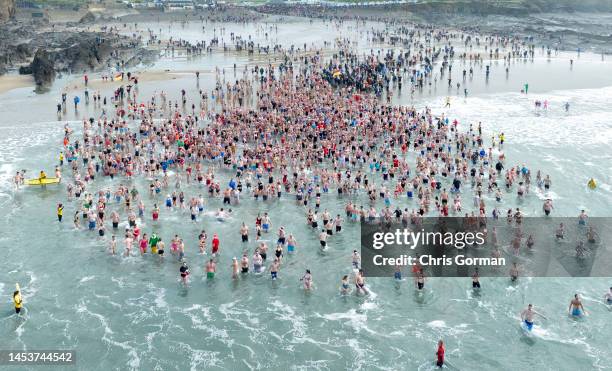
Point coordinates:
[[44, 54]]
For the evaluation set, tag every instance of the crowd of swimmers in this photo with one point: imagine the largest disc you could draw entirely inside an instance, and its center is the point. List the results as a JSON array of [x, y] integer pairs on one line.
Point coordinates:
[[308, 128]]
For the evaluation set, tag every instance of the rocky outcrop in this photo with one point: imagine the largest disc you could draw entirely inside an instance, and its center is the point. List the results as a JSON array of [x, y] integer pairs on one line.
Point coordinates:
[[84, 51], [42, 68], [7, 10], [92, 17], [89, 17]]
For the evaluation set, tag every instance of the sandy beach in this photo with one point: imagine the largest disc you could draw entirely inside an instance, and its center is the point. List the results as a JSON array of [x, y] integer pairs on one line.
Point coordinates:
[[10, 82], [96, 82]]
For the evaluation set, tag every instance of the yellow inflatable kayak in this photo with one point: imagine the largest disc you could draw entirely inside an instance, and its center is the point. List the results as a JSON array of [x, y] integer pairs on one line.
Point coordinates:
[[37, 182]]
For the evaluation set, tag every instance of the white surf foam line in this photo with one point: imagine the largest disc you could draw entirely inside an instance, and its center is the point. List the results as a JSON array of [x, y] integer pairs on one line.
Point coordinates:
[[66, 323], [231, 312], [199, 314], [285, 312], [14, 144], [86, 278], [586, 123], [353, 318], [200, 359], [134, 361]]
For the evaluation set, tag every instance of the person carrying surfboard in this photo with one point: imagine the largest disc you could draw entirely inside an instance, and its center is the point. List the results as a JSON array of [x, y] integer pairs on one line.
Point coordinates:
[[42, 176]]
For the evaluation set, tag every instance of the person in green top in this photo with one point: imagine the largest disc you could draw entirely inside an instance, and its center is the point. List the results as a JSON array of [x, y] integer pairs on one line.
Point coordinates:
[[153, 242]]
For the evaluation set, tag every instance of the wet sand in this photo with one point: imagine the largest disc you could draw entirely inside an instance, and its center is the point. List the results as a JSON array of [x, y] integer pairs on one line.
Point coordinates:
[[10, 82], [95, 82]]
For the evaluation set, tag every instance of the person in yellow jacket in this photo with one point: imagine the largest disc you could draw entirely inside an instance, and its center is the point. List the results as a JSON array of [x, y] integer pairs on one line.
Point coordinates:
[[61, 158], [60, 212], [17, 299]]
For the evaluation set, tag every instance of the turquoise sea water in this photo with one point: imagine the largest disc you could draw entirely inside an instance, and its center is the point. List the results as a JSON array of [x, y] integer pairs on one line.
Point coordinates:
[[133, 313]]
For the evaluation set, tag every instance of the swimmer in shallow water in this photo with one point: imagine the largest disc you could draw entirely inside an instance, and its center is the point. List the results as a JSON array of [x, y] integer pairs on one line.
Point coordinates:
[[440, 354], [356, 260], [591, 235], [235, 268], [307, 280], [17, 300], [528, 315], [560, 232], [476, 279], [274, 267], [184, 272], [420, 280], [514, 272], [608, 297], [345, 287], [211, 268], [580, 249], [576, 309], [360, 283], [547, 207]]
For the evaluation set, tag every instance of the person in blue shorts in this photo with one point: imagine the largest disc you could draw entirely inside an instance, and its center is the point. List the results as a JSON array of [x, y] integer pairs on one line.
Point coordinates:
[[527, 316], [576, 308]]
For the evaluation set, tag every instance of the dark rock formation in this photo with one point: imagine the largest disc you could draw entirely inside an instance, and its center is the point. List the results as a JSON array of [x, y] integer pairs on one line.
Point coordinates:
[[25, 70], [77, 52], [89, 17], [43, 68]]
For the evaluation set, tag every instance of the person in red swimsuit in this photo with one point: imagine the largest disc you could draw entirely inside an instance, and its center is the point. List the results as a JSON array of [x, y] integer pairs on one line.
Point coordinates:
[[440, 354], [215, 244]]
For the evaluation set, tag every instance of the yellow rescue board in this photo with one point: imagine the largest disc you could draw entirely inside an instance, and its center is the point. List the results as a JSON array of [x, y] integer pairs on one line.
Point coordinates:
[[45, 181]]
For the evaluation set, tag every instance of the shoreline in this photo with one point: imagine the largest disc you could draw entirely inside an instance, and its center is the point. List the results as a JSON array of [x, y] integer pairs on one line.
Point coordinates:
[[11, 82]]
